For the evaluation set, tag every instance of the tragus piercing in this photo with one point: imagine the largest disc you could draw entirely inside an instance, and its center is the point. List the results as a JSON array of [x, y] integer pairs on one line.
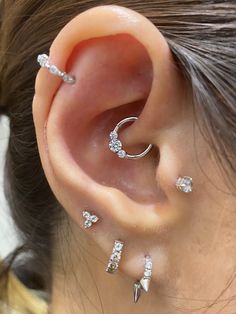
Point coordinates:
[[43, 60], [115, 257], [115, 144], [90, 219], [144, 283], [184, 184]]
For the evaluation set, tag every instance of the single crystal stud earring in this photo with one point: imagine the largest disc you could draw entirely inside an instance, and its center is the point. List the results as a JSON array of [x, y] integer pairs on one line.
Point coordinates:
[[144, 283], [115, 257], [185, 184], [115, 144], [43, 60], [89, 219]]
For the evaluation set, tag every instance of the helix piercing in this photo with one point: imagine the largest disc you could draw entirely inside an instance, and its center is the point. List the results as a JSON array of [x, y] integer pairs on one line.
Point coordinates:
[[43, 60], [184, 184], [115, 257], [115, 144], [90, 219], [144, 283]]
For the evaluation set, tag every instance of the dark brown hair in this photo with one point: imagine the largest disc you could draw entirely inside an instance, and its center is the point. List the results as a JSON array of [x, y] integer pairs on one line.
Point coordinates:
[[202, 37]]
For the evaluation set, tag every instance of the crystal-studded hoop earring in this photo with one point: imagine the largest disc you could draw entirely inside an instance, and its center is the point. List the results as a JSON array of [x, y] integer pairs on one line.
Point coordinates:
[[115, 257], [115, 144], [43, 60], [185, 184]]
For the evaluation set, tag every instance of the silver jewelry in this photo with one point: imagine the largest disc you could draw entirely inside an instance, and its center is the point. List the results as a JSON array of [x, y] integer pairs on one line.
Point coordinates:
[[144, 283], [185, 184], [89, 219], [43, 60], [115, 257], [115, 144]]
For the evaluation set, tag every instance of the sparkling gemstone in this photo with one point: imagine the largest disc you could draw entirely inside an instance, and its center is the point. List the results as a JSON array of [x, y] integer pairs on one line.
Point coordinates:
[[185, 184], [88, 224], [54, 70], [94, 218], [148, 265], [113, 135], [115, 145], [111, 267], [147, 273], [69, 78], [42, 60], [121, 153], [118, 246], [86, 214]]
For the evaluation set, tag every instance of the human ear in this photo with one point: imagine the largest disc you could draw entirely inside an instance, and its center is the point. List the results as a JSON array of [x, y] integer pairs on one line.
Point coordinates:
[[123, 67]]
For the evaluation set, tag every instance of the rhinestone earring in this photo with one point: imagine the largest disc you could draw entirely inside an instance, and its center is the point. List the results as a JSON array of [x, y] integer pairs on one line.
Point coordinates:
[[144, 283], [184, 184], [43, 60], [115, 257], [89, 219], [115, 144]]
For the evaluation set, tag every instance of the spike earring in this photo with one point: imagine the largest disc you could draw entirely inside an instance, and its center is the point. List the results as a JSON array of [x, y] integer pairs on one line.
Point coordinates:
[[184, 184], [43, 60], [144, 283], [115, 257], [89, 219], [115, 144]]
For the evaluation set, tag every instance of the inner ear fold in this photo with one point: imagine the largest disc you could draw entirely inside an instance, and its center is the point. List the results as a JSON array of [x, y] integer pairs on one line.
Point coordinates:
[[113, 81]]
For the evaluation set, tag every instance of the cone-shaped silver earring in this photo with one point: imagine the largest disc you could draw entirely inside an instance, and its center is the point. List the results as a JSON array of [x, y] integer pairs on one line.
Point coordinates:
[[185, 184], [43, 60], [144, 283], [90, 219]]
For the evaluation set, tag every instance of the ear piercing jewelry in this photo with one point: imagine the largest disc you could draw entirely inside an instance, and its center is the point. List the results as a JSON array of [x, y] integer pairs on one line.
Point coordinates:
[[115, 144], [43, 60], [115, 257], [185, 184], [89, 219], [144, 283]]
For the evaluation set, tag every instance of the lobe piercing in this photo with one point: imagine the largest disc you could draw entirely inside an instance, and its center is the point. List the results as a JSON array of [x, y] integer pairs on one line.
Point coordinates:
[[43, 60], [115, 144], [115, 257], [144, 283], [89, 219], [185, 184]]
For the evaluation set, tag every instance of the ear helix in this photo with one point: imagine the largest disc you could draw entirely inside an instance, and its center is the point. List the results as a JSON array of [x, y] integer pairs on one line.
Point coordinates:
[[183, 184]]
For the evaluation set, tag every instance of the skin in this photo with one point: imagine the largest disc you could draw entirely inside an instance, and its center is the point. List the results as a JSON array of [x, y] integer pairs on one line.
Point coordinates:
[[190, 237]]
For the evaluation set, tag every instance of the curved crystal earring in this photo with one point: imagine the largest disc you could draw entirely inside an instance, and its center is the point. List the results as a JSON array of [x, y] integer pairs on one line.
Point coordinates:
[[43, 60], [115, 144]]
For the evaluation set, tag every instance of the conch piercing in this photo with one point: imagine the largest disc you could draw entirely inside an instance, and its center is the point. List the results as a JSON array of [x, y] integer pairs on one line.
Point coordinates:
[[89, 219], [43, 60], [185, 184], [144, 283], [115, 144], [115, 257]]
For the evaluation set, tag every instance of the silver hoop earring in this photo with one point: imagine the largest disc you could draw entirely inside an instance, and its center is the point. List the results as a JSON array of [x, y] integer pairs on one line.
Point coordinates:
[[115, 257], [185, 184], [115, 144], [43, 60], [144, 283]]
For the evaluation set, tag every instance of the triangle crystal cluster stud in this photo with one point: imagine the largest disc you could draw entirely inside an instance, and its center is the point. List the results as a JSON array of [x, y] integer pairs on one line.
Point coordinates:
[[90, 219]]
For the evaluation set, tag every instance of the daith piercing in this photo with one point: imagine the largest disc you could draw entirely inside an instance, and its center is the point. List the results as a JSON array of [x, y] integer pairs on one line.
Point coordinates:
[[43, 60]]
